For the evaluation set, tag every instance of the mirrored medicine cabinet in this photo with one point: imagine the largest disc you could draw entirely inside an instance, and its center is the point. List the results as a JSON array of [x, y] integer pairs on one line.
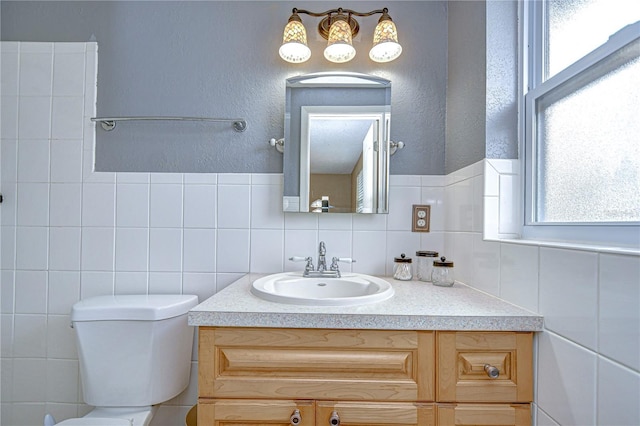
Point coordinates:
[[336, 151]]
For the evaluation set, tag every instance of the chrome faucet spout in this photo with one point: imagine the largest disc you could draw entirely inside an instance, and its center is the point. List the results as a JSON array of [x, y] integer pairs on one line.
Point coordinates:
[[322, 263]]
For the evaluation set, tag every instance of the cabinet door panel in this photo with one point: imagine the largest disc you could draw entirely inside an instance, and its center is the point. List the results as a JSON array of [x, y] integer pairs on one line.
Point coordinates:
[[484, 415], [375, 414], [254, 412], [462, 357], [317, 364]]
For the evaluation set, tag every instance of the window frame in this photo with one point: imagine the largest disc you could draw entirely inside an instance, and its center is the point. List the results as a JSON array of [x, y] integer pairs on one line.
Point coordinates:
[[534, 87]]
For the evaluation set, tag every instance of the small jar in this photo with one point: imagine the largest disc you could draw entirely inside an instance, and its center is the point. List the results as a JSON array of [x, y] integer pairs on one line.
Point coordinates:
[[442, 274], [424, 264], [402, 268]]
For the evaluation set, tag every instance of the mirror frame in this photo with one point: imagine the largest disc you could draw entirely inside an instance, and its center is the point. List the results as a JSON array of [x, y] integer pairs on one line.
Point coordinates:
[[334, 89]]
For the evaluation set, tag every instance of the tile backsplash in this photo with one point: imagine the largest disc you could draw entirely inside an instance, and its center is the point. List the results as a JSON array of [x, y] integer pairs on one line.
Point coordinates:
[[588, 356], [69, 233]]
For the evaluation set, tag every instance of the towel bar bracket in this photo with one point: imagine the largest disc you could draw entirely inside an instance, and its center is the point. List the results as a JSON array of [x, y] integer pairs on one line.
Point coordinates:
[[108, 125]]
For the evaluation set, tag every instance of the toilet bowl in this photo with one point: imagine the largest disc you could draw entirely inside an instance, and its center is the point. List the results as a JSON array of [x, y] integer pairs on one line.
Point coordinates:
[[113, 417], [134, 353]]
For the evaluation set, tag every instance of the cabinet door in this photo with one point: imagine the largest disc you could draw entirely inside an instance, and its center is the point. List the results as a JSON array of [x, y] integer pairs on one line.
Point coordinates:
[[463, 356], [367, 365], [330, 413], [484, 415], [229, 412]]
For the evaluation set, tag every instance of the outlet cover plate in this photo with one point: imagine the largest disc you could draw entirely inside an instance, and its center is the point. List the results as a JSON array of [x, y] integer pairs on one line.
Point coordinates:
[[421, 218]]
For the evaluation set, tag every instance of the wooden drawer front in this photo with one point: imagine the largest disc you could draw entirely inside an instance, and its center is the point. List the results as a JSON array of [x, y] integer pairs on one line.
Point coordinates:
[[375, 414], [316, 364], [484, 415], [462, 357], [253, 412]]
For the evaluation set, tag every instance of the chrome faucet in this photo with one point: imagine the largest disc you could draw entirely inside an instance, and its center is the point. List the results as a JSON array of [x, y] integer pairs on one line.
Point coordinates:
[[322, 263], [321, 271]]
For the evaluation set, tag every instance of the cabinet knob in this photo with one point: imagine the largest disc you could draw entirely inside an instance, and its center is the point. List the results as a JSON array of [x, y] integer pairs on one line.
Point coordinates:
[[296, 418], [334, 420], [491, 371]]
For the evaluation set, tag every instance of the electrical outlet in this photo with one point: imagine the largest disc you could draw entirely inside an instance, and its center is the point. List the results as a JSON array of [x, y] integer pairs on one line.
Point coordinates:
[[421, 218]]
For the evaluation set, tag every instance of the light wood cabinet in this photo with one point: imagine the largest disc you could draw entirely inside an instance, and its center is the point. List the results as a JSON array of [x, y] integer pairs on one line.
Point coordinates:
[[316, 364], [493, 368], [263, 376], [235, 412], [245, 412], [484, 415], [465, 357], [375, 413]]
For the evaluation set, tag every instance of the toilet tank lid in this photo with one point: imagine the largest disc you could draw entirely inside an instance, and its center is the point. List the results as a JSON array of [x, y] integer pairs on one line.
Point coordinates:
[[150, 307]]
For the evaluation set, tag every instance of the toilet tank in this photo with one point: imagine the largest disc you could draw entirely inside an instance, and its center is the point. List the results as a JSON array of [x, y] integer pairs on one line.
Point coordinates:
[[134, 350]]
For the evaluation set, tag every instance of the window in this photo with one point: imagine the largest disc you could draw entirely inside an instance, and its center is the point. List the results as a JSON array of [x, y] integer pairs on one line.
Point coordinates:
[[582, 121]]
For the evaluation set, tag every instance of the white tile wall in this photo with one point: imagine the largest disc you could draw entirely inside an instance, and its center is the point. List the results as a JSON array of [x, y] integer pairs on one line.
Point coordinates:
[[566, 381], [619, 319], [569, 294], [267, 248], [618, 394], [65, 205], [588, 357], [165, 205], [71, 233], [519, 275], [165, 249], [200, 206], [132, 205]]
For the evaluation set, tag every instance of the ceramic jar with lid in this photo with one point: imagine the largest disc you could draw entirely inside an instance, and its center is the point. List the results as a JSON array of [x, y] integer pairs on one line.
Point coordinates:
[[424, 264], [442, 274], [402, 268]]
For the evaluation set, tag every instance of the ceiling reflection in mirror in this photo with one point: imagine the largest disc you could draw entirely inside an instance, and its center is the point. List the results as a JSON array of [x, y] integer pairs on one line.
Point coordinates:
[[336, 144]]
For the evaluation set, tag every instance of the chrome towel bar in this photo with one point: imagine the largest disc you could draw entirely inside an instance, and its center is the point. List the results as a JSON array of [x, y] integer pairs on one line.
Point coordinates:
[[109, 123]]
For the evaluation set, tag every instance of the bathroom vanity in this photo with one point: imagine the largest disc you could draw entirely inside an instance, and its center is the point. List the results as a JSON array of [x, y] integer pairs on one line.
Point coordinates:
[[427, 356]]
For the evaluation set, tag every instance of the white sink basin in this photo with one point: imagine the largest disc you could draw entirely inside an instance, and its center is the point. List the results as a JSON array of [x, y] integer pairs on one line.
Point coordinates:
[[351, 289]]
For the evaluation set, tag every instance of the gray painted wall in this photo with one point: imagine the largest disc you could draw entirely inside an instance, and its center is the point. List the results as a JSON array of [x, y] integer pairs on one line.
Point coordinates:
[[219, 59], [502, 80], [482, 82], [466, 94]]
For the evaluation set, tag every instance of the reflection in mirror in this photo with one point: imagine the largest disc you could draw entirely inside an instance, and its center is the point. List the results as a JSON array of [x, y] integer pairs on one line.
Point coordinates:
[[337, 144], [339, 162]]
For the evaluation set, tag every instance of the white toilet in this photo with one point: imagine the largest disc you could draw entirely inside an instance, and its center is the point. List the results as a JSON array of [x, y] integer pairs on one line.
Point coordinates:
[[135, 352]]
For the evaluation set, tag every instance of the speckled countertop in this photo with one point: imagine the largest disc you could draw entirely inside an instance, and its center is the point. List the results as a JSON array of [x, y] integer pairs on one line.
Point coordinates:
[[415, 306]]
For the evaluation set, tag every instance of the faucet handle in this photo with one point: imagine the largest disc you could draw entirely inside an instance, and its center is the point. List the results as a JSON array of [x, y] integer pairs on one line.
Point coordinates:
[[335, 260], [308, 267]]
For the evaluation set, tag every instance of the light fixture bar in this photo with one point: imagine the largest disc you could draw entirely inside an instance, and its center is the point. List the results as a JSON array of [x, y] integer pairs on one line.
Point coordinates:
[[340, 10], [325, 24], [385, 41]]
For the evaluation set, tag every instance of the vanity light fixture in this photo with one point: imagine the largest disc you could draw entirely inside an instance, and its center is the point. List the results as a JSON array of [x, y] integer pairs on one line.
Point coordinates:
[[339, 27], [294, 47]]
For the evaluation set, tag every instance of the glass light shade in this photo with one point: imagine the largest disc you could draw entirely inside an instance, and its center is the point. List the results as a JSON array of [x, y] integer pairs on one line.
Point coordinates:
[[294, 47], [385, 42], [339, 47]]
